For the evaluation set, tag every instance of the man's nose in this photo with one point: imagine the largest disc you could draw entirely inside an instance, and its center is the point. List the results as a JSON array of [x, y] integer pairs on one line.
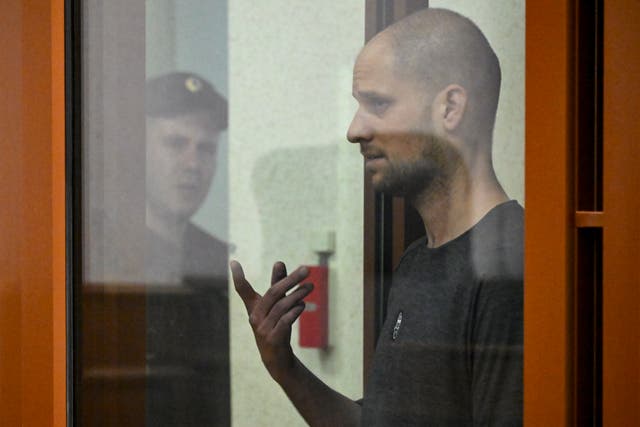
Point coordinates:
[[359, 131], [191, 157]]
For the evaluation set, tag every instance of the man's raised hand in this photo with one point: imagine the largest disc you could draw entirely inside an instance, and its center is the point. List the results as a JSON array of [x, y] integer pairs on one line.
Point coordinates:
[[272, 315]]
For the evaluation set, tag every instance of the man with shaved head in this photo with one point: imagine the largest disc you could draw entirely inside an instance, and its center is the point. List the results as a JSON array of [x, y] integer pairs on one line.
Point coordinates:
[[450, 350]]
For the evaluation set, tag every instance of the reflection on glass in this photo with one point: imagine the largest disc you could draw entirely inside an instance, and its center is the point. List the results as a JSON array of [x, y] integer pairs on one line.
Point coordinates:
[[187, 307], [153, 313]]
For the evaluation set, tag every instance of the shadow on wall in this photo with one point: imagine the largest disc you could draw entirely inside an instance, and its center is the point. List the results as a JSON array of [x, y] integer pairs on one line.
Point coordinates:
[[296, 190]]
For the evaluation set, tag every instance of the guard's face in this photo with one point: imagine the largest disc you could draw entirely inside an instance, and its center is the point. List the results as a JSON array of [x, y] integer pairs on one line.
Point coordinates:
[[181, 156], [396, 125]]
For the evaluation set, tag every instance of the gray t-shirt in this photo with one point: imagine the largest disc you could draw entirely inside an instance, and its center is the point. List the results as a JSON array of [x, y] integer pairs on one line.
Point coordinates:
[[450, 350]]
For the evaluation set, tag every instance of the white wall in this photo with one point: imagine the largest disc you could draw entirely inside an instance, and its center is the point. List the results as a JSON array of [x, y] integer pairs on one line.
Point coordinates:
[[292, 173]]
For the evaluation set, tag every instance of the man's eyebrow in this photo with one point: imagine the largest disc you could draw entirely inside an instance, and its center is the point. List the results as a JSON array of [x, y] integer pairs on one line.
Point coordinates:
[[370, 94]]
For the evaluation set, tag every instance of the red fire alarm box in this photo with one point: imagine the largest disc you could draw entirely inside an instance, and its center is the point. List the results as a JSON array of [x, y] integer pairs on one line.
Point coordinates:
[[314, 320]]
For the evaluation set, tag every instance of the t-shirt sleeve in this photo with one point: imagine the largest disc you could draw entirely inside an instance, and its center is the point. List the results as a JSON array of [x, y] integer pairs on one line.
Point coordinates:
[[496, 352]]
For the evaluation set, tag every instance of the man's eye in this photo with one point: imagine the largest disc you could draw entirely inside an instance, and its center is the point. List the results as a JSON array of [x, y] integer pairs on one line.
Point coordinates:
[[379, 106]]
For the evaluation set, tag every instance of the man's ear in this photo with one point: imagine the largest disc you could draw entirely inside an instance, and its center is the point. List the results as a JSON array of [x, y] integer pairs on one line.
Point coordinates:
[[455, 104]]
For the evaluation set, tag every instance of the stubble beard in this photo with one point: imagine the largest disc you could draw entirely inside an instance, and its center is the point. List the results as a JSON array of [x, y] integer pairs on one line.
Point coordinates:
[[422, 176]]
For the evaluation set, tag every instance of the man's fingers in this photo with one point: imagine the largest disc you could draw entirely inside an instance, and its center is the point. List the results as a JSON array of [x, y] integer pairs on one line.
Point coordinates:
[[278, 272], [277, 291], [258, 307], [283, 328], [243, 288], [284, 305], [282, 286]]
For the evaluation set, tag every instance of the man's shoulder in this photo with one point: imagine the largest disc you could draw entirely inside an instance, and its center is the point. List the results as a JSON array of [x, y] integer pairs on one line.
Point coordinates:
[[497, 243], [205, 255], [414, 246], [493, 248], [196, 237], [503, 222]]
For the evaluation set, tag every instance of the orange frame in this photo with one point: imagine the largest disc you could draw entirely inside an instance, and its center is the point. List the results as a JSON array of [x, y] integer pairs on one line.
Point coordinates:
[[32, 242], [549, 213], [551, 219], [32, 275], [621, 222]]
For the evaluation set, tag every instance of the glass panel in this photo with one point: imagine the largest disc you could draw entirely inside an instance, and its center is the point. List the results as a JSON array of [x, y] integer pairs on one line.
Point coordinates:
[[200, 122], [215, 131]]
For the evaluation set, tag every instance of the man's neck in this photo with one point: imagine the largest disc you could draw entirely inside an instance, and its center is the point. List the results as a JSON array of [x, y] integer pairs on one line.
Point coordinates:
[[457, 205], [167, 226]]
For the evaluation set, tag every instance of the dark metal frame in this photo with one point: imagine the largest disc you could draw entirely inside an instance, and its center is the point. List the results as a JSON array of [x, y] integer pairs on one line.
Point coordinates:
[[388, 225], [588, 291], [73, 197]]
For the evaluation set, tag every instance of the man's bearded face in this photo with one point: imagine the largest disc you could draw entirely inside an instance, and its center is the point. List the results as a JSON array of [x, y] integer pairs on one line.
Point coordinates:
[[411, 175], [395, 124]]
